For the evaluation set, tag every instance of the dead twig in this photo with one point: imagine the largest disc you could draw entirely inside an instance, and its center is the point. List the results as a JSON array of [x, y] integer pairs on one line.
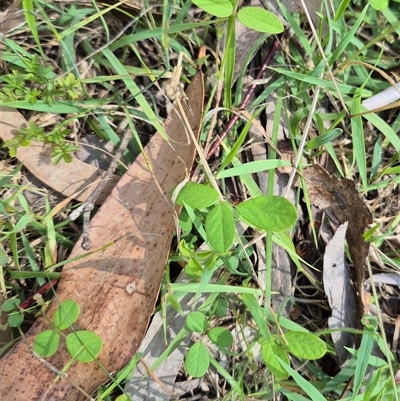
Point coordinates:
[[88, 206], [246, 99]]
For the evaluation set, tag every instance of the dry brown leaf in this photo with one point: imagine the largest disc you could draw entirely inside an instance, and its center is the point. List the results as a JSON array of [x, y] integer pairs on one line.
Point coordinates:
[[340, 293], [77, 179], [116, 288], [342, 199]]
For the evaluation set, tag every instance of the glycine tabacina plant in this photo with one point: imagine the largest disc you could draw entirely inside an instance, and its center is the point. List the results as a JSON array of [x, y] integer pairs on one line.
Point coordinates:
[[83, 345]]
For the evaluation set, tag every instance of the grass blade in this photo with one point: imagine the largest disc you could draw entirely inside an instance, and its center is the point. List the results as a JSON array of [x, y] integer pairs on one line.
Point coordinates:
[[135, 91], [309, 389], [357, 130]]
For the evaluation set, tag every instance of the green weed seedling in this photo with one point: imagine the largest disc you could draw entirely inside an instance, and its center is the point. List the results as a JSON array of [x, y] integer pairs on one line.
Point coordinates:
[[83, 345], [253, 17], [31, 82], [269, 213], [215, 222], [274, 348], [197, 359], [15, 316]]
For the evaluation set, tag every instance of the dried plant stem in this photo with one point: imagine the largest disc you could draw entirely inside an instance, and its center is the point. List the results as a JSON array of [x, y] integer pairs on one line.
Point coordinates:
[[303, 140], [246, 99], [49, 366]]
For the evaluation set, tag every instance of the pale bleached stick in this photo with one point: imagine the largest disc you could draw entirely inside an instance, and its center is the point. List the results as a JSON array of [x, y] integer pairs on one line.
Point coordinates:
[[383, 98]]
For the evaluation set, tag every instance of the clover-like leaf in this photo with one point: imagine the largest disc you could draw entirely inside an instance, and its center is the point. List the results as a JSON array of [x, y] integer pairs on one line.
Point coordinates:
[[270, 212], [269, 352], [260, 20], [218, 8], [46, 343], [66, 314], [10, 304], [84, 345], [197, 196], [220, 336], [197, 360], [15, 319], [197, 322], [220, 228], [305, 345]]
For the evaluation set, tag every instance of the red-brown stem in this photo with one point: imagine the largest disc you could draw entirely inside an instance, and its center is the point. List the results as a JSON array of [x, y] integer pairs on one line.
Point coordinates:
[[246, 99], [42, 290]]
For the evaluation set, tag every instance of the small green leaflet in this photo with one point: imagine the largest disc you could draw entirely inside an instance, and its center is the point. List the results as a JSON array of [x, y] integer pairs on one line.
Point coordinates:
[[260, 20], [304, 345], [66, 314], [270, 213], [84, 345], [220, 336], [218, 8], [220, 228], [269, 352], [10, 304], [15, 319], [197, 360], [197, 196], [197, 322], [46, 343]]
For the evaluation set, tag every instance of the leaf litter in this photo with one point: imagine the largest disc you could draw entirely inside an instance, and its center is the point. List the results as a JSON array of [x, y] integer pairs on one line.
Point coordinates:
[[137, 222], [76, 179], [341, 198], [341, 293]]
